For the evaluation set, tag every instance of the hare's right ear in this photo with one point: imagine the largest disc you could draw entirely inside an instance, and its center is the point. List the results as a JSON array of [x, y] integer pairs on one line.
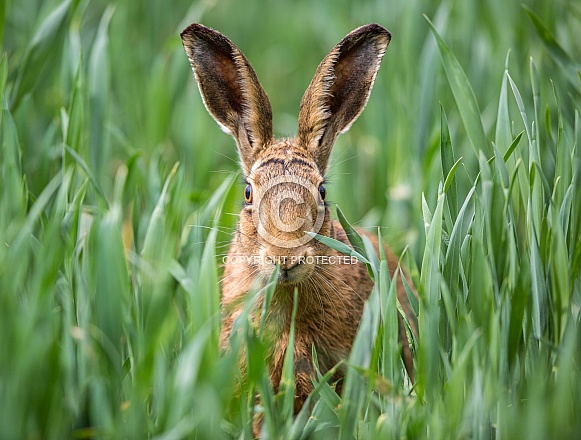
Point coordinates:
[[230, 90], [340, 89]]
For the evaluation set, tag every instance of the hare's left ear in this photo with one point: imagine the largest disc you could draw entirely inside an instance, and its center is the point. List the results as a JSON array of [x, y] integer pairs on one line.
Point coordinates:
[[340, 89], [230, 90]]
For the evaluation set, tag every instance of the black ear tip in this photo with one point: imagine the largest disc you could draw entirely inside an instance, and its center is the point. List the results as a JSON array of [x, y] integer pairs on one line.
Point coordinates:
[[373, 29], [189, 31], [199, 35], [196, 30]]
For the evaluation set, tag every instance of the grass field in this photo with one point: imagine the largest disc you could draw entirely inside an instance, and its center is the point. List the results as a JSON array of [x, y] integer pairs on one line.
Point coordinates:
[[119, 195]]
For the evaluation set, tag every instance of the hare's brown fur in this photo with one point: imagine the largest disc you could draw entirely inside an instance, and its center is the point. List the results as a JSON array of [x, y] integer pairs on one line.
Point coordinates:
[[283, 176]]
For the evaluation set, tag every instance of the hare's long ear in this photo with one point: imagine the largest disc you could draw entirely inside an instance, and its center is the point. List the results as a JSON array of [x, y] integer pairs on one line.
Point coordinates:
[[230, 90], [340, 89]]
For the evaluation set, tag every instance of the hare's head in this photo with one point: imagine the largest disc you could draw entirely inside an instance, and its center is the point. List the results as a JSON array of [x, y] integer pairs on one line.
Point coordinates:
[[285, 192]]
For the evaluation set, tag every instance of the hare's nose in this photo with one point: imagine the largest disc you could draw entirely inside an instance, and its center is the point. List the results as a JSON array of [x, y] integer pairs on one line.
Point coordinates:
[[290, 262]]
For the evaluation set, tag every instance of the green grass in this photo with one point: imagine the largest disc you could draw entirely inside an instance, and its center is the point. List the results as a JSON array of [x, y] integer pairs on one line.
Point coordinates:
[[118, 195]]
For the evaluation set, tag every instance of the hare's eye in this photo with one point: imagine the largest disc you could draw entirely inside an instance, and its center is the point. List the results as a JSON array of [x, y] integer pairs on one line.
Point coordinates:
[[322, 192], [248, 194]]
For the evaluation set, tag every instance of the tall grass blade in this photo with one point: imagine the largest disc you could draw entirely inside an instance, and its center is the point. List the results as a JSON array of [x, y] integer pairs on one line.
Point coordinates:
[[463, 95], [98, 87], [338, 246], [448, 164], [39, 51], [428, 320], [353, 236], [569, 66]]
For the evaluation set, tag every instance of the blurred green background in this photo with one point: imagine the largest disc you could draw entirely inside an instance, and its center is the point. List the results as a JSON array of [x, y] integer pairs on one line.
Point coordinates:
[[110, 250]]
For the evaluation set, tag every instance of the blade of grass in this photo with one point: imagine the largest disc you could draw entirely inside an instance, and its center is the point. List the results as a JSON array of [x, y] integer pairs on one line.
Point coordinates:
[[428, 320], [569, 66], [38, 53], [463, 95], [287, 382], [353, 236], [338, 246], [448, 164], [98, 88]]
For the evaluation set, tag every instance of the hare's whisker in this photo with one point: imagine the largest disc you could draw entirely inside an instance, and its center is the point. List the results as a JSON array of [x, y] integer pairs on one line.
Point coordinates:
[[221, 171], [330, 289], [343, 282], [242, 281], [335, 163], [227, 157], [315, 289]]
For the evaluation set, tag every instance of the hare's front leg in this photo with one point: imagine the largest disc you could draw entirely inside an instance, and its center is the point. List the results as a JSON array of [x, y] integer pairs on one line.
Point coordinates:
[[303, 366], [304, 372]]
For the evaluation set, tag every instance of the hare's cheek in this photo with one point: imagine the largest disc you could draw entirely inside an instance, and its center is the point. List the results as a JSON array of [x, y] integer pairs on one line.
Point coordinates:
[[246, 225], [326, 227], [266, 262], [246, 234]]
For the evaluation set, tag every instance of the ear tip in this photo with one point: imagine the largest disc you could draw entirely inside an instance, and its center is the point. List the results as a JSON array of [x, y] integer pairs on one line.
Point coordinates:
[[190, 31], [373, 30], [197, 30]]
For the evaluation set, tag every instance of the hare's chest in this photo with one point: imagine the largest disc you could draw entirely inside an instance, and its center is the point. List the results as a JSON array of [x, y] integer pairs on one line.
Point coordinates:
[[329, 346]]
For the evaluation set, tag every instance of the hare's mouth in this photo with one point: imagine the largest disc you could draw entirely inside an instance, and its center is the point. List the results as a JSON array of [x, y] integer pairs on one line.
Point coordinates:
[[294, 274]]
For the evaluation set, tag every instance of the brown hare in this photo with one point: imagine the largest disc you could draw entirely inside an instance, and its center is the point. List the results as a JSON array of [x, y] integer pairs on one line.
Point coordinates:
[[285, 196]]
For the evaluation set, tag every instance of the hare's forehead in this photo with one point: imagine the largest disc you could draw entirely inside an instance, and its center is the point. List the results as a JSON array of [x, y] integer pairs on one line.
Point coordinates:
[[285, 163]]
